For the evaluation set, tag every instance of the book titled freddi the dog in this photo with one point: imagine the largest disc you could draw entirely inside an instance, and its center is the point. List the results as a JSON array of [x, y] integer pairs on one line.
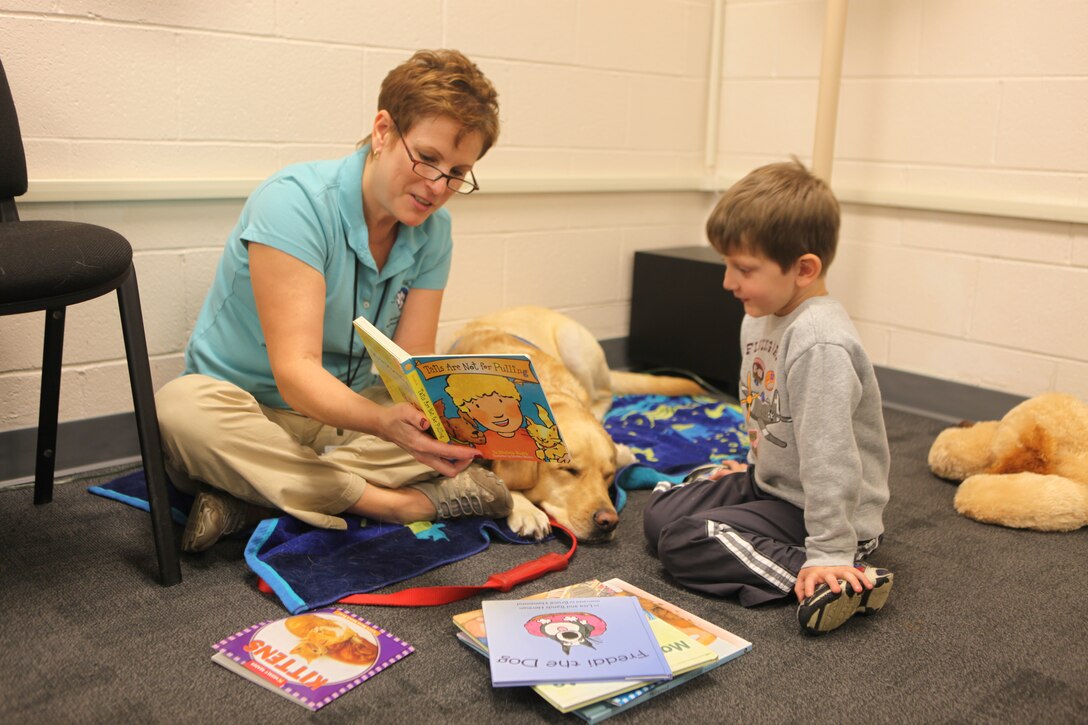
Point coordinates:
[[494, 403], [534, 641]]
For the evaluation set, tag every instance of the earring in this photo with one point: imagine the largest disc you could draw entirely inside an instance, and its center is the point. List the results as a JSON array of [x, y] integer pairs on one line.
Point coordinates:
[[377, 155]]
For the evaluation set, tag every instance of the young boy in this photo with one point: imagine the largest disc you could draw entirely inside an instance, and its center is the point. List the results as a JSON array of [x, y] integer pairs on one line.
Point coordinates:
[[806, 510]]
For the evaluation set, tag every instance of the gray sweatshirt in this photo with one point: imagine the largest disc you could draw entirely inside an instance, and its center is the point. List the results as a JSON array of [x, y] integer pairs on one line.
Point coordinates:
[[813, 412]]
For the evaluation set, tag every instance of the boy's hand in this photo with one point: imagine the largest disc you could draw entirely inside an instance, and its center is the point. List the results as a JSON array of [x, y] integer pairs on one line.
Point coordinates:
[[813, 576], [728, 467], [723, 470]]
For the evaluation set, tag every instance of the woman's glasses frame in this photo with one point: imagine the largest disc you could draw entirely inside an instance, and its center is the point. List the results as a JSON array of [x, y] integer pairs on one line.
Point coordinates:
[[430, 172]]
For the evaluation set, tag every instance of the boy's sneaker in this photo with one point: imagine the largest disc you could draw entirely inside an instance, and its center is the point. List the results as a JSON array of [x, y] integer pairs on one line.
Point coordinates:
[[825, 610], [474, 491]]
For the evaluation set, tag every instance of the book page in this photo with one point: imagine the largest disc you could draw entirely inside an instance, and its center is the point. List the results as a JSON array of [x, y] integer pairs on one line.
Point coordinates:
[[387, 358]]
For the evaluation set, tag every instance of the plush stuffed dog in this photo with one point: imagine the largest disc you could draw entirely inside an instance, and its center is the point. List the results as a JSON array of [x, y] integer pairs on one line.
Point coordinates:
[[1028, 470]]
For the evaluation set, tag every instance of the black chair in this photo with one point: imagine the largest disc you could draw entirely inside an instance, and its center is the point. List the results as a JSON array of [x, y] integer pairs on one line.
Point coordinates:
[[47, 266]]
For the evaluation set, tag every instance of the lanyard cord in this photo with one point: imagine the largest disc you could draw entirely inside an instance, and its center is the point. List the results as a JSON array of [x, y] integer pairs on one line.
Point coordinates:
[[350, 374]]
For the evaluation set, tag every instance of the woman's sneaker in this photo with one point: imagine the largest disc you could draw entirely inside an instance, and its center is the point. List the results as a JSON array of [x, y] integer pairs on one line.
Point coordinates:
[[216, 514], [474, 491], [826, 610]]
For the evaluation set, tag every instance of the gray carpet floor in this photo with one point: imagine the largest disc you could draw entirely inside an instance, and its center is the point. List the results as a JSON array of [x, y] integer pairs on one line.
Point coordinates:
[[985, 624]]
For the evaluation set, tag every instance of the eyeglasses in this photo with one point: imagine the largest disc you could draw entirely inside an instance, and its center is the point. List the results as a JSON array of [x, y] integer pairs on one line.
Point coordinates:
[[430, 172]]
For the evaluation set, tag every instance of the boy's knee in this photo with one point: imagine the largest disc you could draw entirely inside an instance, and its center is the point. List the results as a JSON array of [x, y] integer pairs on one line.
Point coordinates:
[[653, 520], [674, 543]]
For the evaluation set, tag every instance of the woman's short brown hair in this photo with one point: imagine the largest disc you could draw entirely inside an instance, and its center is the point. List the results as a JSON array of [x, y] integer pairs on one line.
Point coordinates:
[[780, 211], [441, 83]]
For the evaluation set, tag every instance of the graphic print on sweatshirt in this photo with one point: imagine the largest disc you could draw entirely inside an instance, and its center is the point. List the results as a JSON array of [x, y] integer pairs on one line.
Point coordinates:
[[759, 396]]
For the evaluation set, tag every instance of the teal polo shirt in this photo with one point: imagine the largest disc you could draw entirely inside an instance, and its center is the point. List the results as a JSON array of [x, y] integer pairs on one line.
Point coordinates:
[[314, 212]]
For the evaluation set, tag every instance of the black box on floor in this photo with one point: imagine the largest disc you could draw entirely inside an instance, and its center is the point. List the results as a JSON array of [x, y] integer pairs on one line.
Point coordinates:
[[682, 318]]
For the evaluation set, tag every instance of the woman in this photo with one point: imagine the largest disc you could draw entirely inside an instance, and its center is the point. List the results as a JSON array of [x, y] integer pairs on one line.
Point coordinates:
[[278, 406]]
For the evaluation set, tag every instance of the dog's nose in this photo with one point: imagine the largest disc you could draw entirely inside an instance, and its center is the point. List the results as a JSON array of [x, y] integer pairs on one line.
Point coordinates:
[[606, 520]]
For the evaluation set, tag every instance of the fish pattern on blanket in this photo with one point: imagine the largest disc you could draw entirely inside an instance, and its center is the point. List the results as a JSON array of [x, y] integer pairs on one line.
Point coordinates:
[[676, 433]]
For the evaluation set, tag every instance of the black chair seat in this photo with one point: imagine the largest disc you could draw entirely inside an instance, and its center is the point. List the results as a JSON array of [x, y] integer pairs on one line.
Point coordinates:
[[55, 263]]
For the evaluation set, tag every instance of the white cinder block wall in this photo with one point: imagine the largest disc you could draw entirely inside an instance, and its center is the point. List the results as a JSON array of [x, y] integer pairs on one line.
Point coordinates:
[[157, 118], [946, 105]]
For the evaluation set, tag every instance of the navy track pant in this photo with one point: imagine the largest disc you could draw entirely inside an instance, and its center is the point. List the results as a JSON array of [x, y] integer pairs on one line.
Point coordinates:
[[727, 537]]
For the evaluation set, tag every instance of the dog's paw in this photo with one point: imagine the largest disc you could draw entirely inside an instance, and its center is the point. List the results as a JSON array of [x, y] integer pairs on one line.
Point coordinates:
[[526, 519], [624, 455]]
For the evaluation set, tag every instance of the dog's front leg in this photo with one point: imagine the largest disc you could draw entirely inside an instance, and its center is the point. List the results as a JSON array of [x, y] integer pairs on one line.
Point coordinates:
[[526, 519]]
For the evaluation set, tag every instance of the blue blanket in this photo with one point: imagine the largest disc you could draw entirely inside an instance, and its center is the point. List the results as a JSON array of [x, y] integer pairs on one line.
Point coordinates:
[[308, 567], [670, 436]]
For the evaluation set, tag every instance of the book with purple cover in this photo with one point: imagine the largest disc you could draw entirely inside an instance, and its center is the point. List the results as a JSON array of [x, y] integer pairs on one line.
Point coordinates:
[[311, 658], [546, 641]]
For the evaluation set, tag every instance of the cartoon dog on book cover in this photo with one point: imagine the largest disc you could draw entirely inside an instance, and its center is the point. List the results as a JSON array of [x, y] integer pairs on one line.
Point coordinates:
[[569, 629], [462, 429], [575, 375]]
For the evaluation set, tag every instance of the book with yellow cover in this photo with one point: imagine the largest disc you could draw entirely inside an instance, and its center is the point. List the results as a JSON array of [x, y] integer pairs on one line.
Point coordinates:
[[472, 622], [726, 644], [494, 403]]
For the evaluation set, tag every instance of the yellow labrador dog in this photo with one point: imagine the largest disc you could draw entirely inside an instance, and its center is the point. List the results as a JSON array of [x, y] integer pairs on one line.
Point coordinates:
[[579, 385]]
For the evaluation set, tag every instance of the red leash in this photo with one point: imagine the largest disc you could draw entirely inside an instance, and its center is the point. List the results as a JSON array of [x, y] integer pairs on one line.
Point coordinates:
[[439, 595]]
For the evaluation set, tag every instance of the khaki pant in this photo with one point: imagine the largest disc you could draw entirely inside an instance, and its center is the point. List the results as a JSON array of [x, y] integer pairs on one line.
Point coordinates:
[[215, 432]]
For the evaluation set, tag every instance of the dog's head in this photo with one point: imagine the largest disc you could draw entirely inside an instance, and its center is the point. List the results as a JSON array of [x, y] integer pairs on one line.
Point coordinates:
[[576, 493]]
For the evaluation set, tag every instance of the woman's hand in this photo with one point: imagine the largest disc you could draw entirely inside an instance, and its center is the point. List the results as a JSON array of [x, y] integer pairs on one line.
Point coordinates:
[[404, 425], [811, 577]]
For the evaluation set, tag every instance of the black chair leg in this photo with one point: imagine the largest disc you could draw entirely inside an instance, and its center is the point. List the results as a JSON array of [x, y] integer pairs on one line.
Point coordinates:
[[48, 407], [147, 423]]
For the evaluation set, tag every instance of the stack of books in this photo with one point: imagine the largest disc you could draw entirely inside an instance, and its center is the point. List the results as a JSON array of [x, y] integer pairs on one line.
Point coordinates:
[[580, 648]]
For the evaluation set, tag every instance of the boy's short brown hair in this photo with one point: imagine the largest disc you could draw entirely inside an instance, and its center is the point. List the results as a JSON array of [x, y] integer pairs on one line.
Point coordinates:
[[441, 83], [780, 211]]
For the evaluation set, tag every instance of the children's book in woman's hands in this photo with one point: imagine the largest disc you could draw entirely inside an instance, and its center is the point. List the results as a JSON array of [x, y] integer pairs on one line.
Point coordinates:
[[312, 658], [494, 403], [536, 641]]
